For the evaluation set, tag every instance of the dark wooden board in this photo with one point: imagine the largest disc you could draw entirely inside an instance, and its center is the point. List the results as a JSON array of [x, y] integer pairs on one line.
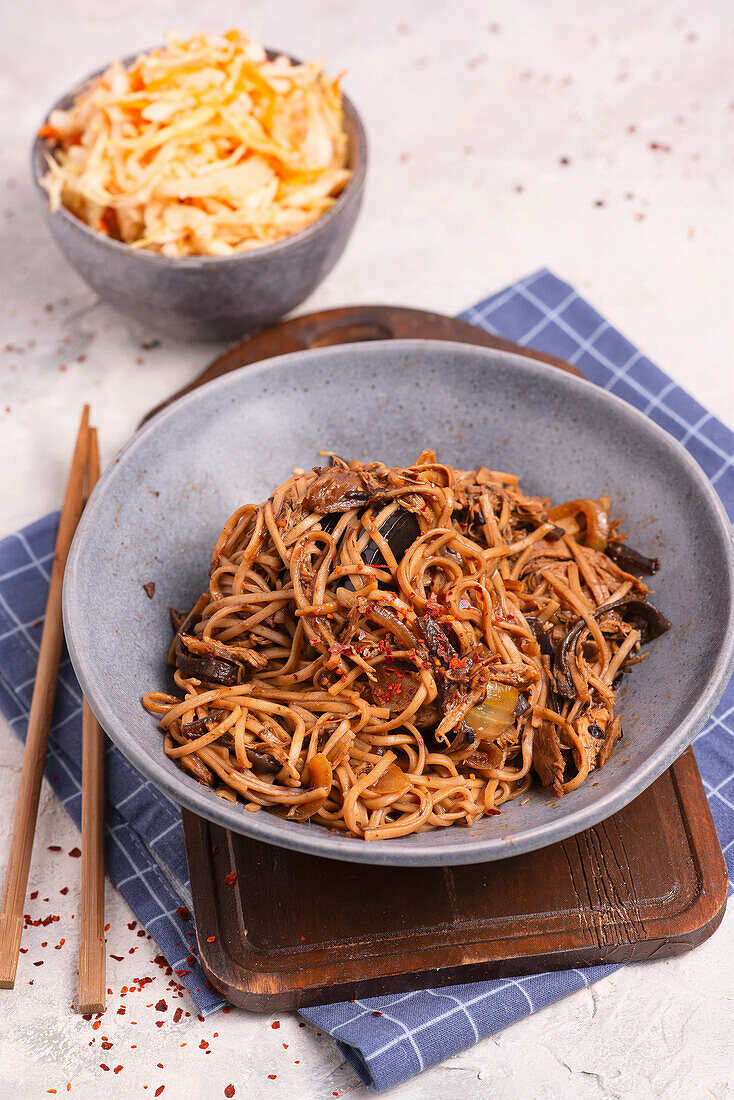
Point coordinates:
[[295, 930]]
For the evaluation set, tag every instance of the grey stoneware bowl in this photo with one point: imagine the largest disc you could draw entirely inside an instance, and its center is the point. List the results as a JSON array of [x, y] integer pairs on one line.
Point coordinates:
[[209, 297], [159, 508]]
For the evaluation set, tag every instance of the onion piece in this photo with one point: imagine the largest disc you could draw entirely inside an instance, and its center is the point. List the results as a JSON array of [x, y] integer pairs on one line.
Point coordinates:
[[320, 777], [597, 520], [392, 781], [490, 718]]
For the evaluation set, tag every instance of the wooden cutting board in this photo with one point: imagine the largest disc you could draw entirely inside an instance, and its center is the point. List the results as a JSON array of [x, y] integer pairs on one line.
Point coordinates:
[[293, 930]]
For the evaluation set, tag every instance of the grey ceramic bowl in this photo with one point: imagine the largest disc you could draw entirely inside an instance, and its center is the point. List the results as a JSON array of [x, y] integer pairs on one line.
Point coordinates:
[[159, 508], [209, 297]]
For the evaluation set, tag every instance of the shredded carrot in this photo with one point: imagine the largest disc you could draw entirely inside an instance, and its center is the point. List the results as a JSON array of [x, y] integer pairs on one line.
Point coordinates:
[[204, 147]]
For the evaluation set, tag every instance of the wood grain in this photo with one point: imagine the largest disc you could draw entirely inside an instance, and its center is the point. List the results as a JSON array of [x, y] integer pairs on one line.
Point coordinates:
[[92, 960], [39, 721]]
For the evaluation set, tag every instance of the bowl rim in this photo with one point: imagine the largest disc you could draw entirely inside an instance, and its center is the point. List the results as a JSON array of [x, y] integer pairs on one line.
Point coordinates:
[[316, 840], [40, 148]]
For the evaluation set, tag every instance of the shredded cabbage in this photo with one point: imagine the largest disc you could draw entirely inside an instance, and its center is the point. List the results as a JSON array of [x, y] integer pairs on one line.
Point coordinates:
[[203, 147]]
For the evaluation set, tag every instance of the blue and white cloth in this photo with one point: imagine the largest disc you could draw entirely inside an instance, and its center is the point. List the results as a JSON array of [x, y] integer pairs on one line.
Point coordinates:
[[386, 1039]]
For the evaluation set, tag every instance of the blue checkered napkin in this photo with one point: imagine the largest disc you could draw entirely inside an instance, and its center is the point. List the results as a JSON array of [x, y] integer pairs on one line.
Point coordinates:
[[387, 1039]]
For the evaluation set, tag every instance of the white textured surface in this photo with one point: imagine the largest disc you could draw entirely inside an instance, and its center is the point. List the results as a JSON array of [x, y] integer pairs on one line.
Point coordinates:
[[469, 109]]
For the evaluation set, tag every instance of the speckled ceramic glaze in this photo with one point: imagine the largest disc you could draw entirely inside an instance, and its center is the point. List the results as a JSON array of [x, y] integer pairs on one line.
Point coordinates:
[[209, 297], [158, 509]]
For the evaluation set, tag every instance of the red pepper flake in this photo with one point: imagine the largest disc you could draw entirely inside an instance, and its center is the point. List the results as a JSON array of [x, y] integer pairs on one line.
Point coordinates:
[[231, 878], [39, 963], [50, 1090], [118, 957], [183, 973], [34, 895], [210, 939], [107, 928], [272, 1076], [104, 1067], [149, 589], [141, 932], [203, 1044], [226, 1009], [159, 1023], [75, 853], [183, 912], [117, 1069], [200, 1018], [229, 1091], [106, 1046], [160, 1065], [52, 848], [159, 1090], [177, 1015], [275, 1025], [132, 924], [45, 943], [377, 1014], [191, 959], [97, 1023], [215, 849], [285, 1046], [121, 1011], [161, 1006], [64, 890]]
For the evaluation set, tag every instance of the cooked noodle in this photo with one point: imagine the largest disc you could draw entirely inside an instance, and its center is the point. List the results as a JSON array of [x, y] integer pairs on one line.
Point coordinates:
[[386, 651]]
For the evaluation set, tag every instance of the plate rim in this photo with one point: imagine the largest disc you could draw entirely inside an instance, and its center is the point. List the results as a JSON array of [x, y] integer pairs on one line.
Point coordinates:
[[266, 827]]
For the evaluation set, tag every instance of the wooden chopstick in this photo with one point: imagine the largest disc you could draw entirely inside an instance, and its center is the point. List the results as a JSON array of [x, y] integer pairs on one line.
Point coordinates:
[[39, 722], [92, 965]]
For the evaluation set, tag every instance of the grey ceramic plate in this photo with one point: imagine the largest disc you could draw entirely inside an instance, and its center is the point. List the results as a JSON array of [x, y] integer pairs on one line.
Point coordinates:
[[158, 509]]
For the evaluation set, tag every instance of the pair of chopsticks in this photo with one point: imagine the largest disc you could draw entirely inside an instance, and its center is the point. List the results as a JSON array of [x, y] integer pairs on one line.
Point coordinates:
[[92, 978]]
